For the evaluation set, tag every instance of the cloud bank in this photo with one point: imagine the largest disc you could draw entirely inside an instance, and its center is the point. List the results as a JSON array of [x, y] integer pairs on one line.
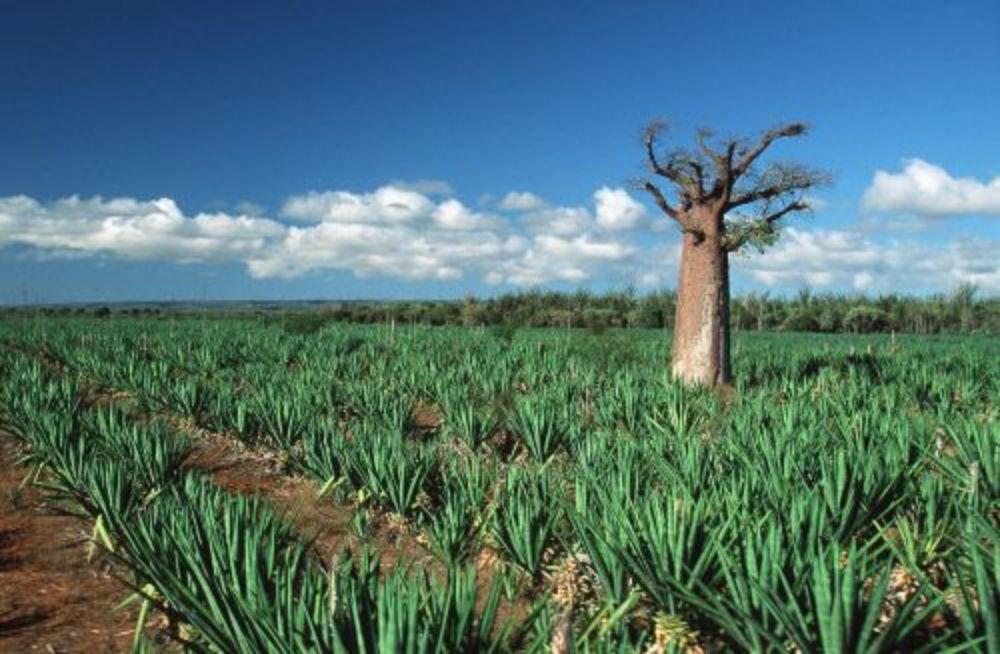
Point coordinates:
[[395, 231], [140, 230], [850, 259], [421, 232]]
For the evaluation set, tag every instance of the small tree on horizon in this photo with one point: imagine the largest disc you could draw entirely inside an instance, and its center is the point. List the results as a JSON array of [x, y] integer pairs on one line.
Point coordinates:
[[723, 201]]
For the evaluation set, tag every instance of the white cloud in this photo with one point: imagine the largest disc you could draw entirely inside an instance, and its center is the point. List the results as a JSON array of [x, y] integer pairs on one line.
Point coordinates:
[[617, 210], [969, 260], [555, 258], [368, 250], [562, 221], [863, 280], [828, 259], [150, 230], [400, 233], [651, 279], [521, 201], [248, 208], [452, 214], [928, 190], [387, 205], [657, 266]]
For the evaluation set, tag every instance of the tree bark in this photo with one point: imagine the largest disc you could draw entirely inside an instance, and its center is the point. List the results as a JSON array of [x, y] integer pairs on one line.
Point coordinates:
[[701, 327]]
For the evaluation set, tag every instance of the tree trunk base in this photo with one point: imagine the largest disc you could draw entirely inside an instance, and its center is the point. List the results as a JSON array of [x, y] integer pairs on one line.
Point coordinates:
[[701, 329]]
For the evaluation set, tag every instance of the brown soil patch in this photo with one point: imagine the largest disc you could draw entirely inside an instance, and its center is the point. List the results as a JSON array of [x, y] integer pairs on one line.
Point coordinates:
[[426, 419], [232, 467], [326, 523], [51, 598]]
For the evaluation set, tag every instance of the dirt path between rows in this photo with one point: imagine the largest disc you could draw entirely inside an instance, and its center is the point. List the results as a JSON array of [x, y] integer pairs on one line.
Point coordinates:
[[320, 521], [51, 598]]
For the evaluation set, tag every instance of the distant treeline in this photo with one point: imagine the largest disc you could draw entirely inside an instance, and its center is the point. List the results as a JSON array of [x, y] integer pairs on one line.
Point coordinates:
[[960, 311]]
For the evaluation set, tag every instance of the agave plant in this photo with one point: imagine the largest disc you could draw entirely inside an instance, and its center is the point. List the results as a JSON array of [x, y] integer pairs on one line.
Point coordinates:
[[283, 413], [839, 614], [229, 568], [186, 397], [322, 455], [524, 518], [152, 455], [667, 546], [471, 422], [538, 425], [454, 526], [391, 468], [411, 612], [976, 578]]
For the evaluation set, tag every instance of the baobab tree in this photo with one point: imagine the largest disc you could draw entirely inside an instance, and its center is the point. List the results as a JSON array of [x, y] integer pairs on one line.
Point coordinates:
[[723, 200]]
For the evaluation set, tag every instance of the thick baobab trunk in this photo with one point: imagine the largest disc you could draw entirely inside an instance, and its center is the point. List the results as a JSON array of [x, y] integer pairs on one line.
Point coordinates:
[[701, 328]]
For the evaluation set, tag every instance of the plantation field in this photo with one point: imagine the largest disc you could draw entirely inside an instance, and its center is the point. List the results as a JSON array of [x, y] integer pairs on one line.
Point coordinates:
[[418, 489]]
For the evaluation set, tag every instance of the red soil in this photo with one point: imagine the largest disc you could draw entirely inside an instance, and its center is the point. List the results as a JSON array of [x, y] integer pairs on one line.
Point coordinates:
[[51, 598]]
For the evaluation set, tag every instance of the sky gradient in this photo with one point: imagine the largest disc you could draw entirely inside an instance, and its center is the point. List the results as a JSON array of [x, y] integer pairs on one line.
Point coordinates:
[[162, 150]]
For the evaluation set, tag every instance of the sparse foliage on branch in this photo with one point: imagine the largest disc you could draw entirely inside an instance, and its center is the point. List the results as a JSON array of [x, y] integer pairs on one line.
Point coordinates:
[[726, 173]]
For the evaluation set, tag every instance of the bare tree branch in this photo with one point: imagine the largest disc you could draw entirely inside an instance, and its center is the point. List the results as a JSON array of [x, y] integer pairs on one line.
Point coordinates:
[[776, 181], [701, 137], [769, 137], [731, 152], [672, 168], [661, 201], [722, 161], [798, 205], [698, 169], [717, 176], [769, 193], [649, 139]]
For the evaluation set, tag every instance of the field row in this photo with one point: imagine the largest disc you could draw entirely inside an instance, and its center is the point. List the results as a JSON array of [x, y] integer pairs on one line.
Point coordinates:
[[843, 497]]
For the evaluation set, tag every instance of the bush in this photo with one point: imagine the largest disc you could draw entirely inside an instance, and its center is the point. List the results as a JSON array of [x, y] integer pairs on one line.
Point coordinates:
[[864, 319], [504, 332], [799, 320], [300, 324]]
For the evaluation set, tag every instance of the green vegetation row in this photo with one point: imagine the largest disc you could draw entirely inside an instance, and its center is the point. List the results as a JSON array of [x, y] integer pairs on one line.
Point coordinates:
[[842, 497], [962, 311], [231, 574]]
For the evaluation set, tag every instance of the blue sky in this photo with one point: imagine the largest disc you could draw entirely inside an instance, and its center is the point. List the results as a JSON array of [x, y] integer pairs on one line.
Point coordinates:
[[162, 150]]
